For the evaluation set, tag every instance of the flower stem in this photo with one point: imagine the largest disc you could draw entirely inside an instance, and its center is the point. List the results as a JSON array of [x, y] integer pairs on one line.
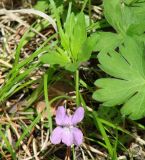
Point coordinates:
[[48, 107], [67, 157], [77, 88]]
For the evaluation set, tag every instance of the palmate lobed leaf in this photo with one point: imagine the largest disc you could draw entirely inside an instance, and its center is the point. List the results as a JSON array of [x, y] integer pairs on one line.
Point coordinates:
[[127, 85], [107, 41], [113, 14], [126, 17]]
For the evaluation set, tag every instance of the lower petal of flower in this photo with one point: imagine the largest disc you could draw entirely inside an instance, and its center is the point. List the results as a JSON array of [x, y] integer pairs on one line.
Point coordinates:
[[56, 135], [67, 136], [77, 136]]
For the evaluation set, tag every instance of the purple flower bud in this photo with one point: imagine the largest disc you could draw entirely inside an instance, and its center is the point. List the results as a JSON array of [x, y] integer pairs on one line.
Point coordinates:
[[66, 130]]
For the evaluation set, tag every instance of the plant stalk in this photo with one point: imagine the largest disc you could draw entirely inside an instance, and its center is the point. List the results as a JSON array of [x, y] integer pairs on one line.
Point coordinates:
[[77, 88]]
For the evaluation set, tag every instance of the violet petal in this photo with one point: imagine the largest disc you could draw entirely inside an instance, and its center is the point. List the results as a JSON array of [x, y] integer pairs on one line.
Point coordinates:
[[77, 136], [60, 114], [78, 115], [67, 136], [56, 135]]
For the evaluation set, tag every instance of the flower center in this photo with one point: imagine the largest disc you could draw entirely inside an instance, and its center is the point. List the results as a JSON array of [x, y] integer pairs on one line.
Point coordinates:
[[68, 127]]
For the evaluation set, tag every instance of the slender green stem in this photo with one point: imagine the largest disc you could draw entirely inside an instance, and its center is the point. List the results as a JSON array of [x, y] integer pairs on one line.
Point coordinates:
[[60, 97], [103, 132], [90, 11], [74, 155], [35, 94], [47, 101], [77, 88], [7, 143], [84, 5]]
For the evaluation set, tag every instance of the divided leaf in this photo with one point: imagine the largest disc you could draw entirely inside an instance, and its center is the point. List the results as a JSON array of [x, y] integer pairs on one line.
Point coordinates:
[[112, 11], [79, 35], [126, 17], [75, 47], [107, 41], [55, 58], [87, 47], [127, 85]]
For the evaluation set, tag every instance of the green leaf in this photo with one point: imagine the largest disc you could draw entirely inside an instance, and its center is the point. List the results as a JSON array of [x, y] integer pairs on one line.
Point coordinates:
[[138, 10], [64, 40], [127, 85], [142, 38], [127, 17], [75, 46], [87, 48], [107, 41], [67, 33], [72, 66], [137, 28], [42, 5], [55, 58], [70, 25], [74, 26], [113, 13], [79, 35], [130, 2]]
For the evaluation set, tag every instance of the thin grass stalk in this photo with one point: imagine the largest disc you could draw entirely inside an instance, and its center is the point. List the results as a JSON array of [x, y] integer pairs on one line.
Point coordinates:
[[47, 101], [77, 88], [27, 130], [103, 132], [7, 143]]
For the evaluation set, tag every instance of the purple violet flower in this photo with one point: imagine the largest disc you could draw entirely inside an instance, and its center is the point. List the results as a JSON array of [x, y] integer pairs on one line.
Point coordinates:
[[66, 130]]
